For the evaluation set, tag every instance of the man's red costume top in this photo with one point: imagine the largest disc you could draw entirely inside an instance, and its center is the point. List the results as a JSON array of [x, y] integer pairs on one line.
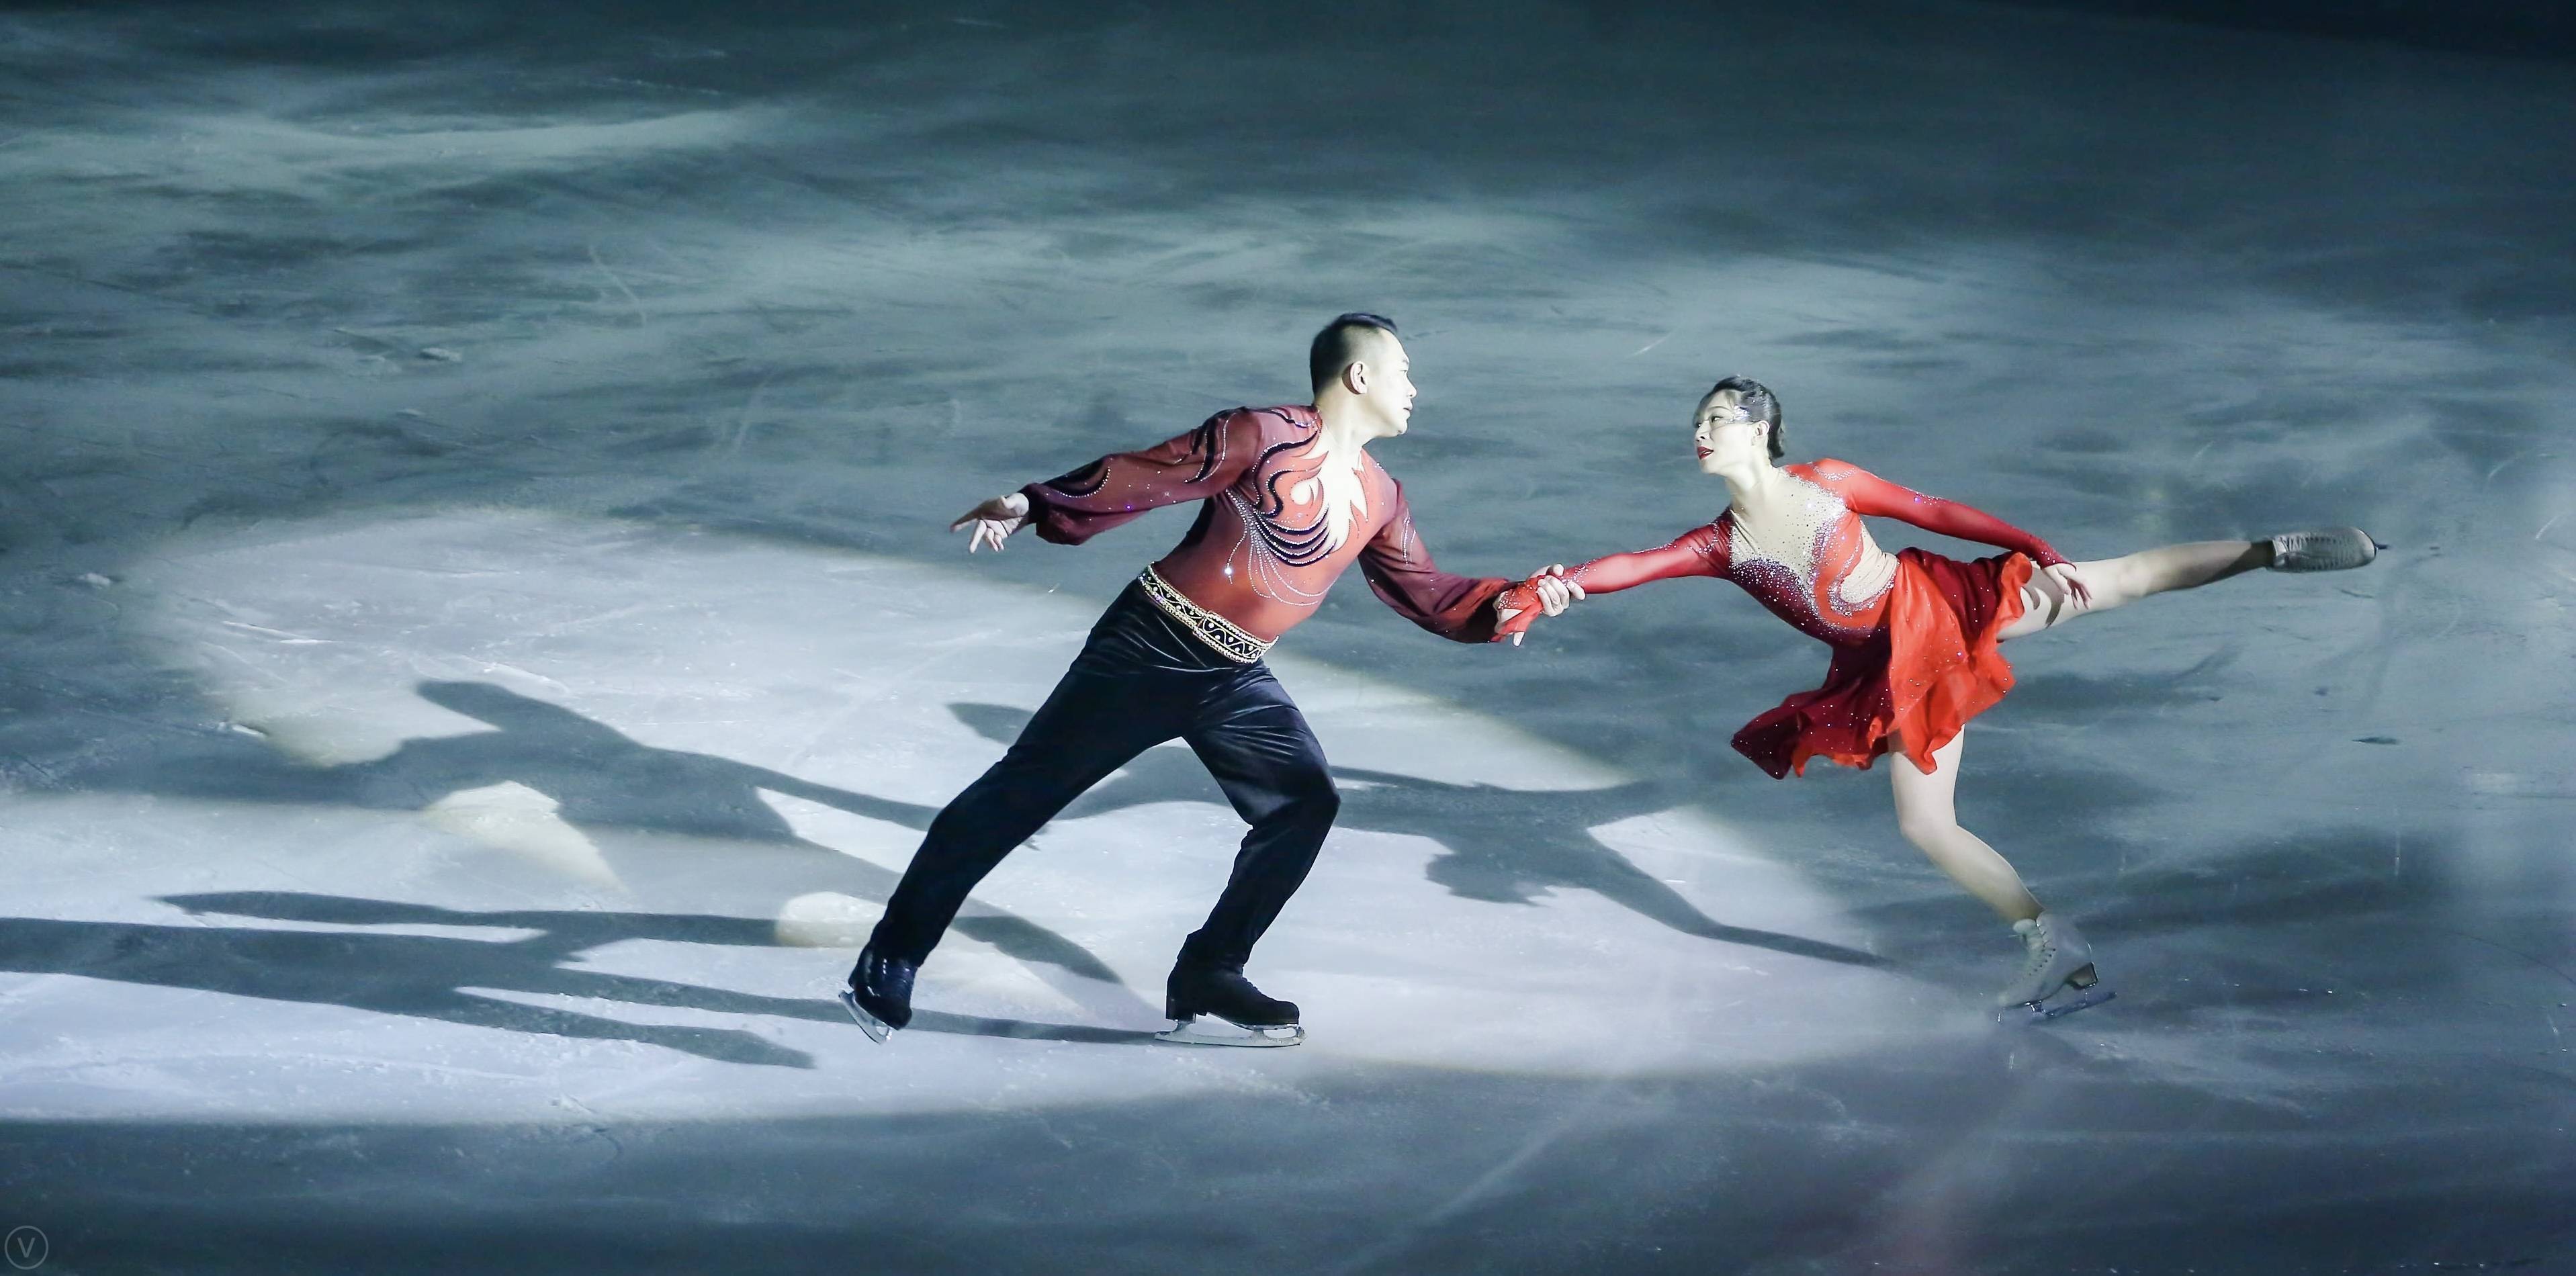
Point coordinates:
[[1268, 541]]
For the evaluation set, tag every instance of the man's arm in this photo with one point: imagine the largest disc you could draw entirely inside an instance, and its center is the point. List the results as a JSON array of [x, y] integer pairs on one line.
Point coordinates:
[[1074, 507], [1401, 573]]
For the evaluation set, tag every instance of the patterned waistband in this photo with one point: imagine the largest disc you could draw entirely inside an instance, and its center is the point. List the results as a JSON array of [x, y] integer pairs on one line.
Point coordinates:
[[1228, 638]]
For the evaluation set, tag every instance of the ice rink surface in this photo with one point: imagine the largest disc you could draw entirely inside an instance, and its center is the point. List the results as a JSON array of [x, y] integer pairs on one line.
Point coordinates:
[[482, 641]]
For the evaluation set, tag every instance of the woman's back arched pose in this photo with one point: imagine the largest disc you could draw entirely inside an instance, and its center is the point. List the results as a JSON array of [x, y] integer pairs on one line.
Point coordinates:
[[1913, 634]]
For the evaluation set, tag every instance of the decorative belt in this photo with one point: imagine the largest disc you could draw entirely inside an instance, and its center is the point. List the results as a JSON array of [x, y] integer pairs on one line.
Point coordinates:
[[1228, 638]]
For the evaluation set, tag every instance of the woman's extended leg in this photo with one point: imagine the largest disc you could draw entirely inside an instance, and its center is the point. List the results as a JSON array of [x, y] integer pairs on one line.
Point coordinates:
[[2126, 579], [1926, 814]]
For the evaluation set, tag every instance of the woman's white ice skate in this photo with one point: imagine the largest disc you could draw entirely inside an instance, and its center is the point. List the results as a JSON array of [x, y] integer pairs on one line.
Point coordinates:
[[2328, 549], [2057, 976]]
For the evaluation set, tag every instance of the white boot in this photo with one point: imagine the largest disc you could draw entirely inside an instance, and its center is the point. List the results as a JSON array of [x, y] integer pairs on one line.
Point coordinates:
[[2329, 549], [2057, 958]]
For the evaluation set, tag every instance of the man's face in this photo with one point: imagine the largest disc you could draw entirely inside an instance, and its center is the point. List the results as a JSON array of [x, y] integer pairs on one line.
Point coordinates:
[[1390, 383]]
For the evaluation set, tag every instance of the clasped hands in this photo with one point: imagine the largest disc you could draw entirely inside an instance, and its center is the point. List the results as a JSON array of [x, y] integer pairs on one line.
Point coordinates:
[[1547, 592]]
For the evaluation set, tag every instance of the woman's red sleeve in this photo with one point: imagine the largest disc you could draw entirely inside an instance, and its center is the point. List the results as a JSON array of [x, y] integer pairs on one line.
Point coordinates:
[[1697, 552], [1867, 493], [1700, 551]]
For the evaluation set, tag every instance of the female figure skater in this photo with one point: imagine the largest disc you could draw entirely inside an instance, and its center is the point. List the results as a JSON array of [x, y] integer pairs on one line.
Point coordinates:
[[1913, 635]]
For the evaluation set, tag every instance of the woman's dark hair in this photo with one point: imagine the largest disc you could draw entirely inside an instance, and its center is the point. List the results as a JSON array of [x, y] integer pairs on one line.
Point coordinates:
[[1338, 345], [1758, 403]]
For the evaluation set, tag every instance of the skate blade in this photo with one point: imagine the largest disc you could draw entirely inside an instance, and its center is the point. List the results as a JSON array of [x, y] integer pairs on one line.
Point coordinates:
[[2042, 1012], [875, 1028], [1208, 1030]]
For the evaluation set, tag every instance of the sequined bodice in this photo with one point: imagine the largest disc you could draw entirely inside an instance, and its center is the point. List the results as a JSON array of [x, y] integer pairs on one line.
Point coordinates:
[[1812, 563]]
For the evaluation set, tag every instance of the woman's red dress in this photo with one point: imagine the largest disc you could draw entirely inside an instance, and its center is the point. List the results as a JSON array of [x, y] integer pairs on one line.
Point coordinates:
[[1913, 633]]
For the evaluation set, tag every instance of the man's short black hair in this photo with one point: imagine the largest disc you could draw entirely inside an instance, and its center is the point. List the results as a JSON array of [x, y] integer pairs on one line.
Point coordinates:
[[1757, 403], [1338, 345]]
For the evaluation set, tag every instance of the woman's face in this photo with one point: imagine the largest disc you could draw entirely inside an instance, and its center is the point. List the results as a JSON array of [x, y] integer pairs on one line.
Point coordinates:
[[1722, 436]]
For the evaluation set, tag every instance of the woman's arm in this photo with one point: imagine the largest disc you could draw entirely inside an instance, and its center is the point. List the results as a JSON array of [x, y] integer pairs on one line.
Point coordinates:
[[1701, 551], [1867, 493]]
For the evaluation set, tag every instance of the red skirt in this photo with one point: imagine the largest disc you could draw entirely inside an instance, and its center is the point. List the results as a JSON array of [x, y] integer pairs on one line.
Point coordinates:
[[1931, 666]]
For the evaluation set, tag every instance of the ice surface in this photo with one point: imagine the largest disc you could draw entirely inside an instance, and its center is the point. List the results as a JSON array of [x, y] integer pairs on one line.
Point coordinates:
[[647, 770], [482, 640]]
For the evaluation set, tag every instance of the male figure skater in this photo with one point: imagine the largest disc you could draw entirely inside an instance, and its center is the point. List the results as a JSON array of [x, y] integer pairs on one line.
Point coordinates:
[[1290, 498]]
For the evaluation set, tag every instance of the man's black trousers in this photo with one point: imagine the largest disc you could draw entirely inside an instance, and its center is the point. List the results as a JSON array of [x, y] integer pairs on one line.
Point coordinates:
[[1141, 679]]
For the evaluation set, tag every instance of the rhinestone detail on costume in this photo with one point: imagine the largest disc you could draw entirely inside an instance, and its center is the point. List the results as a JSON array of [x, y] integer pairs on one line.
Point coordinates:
[[1787, 582], [1268, 545], [1269, 550], [1229, 639]]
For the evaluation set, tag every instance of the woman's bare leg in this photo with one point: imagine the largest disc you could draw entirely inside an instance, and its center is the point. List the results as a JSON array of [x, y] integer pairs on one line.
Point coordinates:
[[2126, 579], [1925, 813]]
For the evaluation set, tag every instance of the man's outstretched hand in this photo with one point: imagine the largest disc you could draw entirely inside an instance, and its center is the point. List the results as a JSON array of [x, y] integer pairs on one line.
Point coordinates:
[[1549, 592], [994, 521]]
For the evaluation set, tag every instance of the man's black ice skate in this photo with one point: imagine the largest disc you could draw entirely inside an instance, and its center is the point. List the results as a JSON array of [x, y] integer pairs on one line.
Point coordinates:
[[1212, 1005], [880, 993]]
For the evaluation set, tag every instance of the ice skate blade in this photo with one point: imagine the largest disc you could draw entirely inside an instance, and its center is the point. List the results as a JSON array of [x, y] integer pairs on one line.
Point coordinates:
[[1208, 1030], [2042, 1012], [875, 1028]]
